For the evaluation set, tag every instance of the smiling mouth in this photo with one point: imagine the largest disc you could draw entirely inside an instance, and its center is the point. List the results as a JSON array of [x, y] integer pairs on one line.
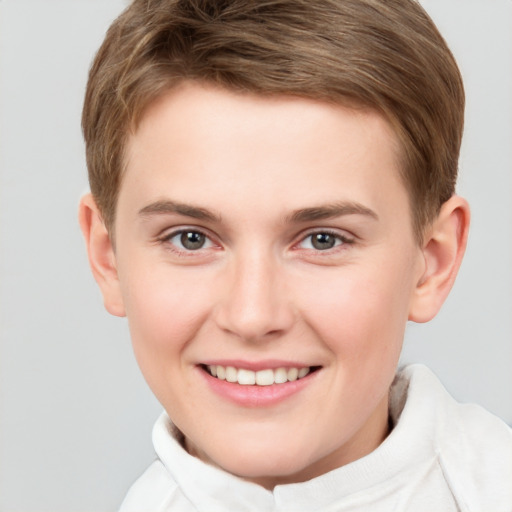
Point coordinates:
[[266, 377]]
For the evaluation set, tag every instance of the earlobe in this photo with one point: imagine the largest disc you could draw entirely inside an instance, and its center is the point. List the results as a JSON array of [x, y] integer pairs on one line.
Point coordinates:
[[443, 250], [101, 255]]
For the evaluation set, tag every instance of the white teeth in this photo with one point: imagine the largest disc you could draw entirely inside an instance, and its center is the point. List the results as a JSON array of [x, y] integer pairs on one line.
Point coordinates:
[[293, 373], [303, 372], [281, 376], [265, 377], [246, 377], [221, 372], [260, 378], [231, 374]]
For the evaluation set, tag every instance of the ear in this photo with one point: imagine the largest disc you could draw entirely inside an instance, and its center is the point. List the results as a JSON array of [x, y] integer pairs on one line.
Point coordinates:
[[101, 255], [443, 249]]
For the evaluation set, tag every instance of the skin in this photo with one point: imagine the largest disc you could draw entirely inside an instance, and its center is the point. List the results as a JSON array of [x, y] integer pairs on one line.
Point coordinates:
[[258, 177]]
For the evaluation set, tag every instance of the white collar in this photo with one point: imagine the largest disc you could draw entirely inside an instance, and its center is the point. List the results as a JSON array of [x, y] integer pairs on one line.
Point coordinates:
[[207, 487]]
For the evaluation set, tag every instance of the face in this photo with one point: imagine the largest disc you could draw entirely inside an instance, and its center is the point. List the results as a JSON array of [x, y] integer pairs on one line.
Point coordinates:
[[267, 265]]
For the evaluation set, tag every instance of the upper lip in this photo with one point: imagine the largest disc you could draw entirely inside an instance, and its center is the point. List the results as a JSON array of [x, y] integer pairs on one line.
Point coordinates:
[[257, 365]]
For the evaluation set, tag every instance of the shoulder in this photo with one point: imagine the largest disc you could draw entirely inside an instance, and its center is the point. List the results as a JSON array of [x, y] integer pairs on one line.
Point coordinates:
[[473, 446], [475, 451], [153, 491]]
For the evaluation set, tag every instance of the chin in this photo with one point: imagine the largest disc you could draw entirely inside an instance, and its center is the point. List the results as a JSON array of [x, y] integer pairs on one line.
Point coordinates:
[[266, 466], [268, 473]]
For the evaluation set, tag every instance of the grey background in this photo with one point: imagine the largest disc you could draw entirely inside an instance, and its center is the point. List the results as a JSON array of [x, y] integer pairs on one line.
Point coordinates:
[[75, 415]]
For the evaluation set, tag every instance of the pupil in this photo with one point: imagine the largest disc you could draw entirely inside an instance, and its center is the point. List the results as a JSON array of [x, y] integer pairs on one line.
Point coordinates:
[[323, 241], [192, 240]]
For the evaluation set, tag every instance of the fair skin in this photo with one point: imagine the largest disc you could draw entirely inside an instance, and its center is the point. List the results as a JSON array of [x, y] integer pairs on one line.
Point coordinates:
[[269, 235]]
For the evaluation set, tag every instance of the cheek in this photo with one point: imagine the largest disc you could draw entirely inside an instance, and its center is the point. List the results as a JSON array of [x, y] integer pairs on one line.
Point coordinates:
[[157, 299], [361, 321], [360, 316], [164, 312]]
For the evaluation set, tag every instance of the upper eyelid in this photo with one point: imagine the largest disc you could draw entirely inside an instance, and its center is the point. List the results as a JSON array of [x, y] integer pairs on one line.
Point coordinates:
[[168, 233], [340, 233], [347, 240]]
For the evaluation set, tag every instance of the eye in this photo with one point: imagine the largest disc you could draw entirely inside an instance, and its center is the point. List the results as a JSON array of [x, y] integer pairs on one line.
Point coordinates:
[[323, 241], [189, 240]]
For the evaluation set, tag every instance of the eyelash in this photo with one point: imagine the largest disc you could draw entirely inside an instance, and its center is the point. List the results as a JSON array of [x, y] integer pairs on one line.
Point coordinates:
[[340, 241], [166, 241]]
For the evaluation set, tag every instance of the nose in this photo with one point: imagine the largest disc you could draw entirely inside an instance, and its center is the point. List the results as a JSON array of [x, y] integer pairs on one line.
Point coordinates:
[[255, 304]]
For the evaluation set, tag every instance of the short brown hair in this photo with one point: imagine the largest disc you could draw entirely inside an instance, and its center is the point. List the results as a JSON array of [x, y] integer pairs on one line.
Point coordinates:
[[386, 55]]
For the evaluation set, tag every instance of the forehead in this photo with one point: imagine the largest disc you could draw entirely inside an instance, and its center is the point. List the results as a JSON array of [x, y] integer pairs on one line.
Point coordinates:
[[218, 148]]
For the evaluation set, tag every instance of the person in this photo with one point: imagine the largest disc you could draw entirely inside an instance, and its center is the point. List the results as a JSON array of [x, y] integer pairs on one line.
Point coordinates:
[[272, 200]]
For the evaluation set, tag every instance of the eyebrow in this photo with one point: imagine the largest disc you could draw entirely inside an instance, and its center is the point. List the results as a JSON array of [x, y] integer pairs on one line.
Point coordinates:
[[323, 212], [166, 207], [331, 211]]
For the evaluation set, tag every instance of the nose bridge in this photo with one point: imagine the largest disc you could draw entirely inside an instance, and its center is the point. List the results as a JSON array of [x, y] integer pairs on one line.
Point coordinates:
[[255, 304]]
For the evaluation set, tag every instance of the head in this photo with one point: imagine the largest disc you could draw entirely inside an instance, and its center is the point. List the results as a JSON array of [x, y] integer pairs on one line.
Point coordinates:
[[272, 200], [384, 56]]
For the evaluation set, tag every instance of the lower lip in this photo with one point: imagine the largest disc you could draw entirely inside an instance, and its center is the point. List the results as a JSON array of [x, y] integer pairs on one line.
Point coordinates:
[[256, 396]]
